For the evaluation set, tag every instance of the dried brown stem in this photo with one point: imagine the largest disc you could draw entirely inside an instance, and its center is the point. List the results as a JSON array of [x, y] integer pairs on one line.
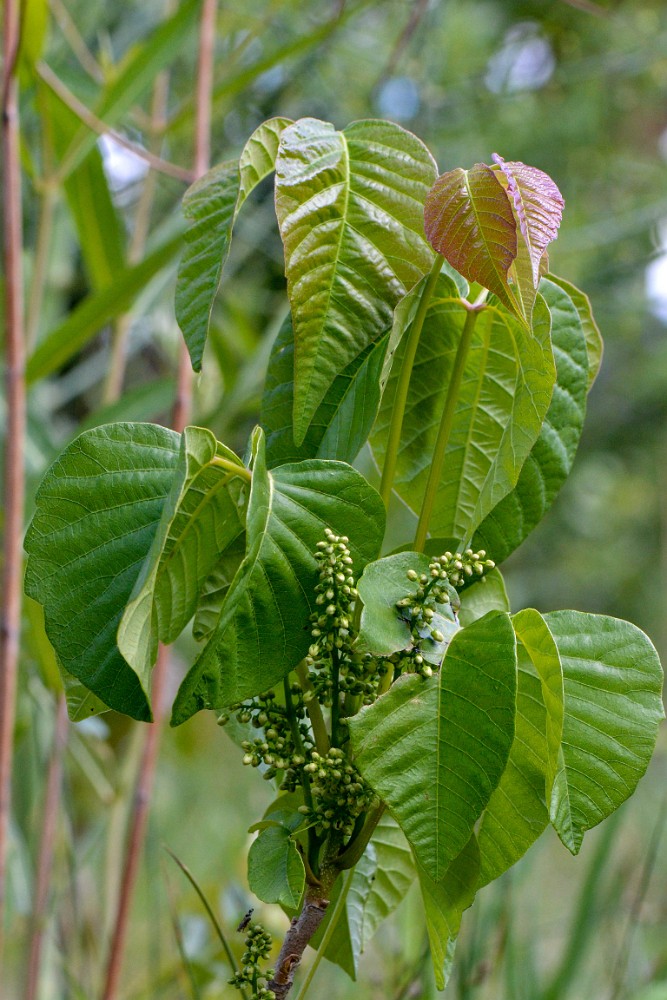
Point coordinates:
[[202, 154], [46, 849], [136, 837], [96, 124], [14, 477], [301, 930]]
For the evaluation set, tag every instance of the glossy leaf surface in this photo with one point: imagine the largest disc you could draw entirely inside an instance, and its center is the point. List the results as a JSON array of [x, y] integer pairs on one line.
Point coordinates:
[[550, 460], [504, 397], [613, 706], [434, 750], [201, 518], [97, 512], [350, 211], [210, 207], [262, 633], [469, 220], [343, 419]]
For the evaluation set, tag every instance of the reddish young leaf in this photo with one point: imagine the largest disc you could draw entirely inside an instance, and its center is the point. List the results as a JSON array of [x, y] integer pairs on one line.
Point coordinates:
[[469, 220], [538, 204]]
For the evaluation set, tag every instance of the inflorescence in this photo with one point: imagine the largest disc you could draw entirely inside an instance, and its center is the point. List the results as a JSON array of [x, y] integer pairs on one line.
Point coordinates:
[[258, 944]]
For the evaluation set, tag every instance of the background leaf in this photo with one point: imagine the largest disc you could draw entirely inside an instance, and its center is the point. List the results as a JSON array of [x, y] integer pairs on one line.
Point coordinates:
[[96, 515], [613, 706], [349, 207], [550, 460], [200, 519], [263, 630], [505, 394], [469, 220], [434, 750]]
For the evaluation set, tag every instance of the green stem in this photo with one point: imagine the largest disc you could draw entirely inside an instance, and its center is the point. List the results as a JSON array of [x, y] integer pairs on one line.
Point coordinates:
[[355, 849], [298, 742], [326, 937], [446, 424], [234, 467], [314, 710], [335, 696], [400, 401]]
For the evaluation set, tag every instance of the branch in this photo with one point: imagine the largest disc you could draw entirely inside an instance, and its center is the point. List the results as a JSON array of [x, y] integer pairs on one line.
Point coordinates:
[[299, 934], [14, 475]]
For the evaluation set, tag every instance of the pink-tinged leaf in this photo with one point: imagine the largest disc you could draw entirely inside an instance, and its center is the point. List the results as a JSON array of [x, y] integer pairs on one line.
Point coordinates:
[[469, 220], [538, 204]]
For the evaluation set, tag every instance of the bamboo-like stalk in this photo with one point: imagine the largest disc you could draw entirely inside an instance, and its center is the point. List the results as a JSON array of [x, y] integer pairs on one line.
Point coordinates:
[[46, 849], [137, 834], [180, 417], [202, 156], [14, 477]]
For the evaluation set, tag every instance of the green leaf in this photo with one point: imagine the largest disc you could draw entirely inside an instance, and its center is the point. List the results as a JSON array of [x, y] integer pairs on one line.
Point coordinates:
[[504, 397], [613, 706], [550, 460], [34, 29], [263, 629], [444, 904], [434, 750], [383, 629], [349, 207], [468, 219], [582, 304], [343, 419], [487, 594], [97, 309], [276, 873], [81, 703], [214, 590], [97, 512], [200, 519], [211, 206]]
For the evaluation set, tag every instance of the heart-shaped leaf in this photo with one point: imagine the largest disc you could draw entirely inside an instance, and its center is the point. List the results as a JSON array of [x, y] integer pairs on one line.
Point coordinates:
[[263, 629], [349, 207], [504, 396], [613, 706], [210, 207], [97, 511], [550, 460], [201, 518], [468, 219], [434, 750]]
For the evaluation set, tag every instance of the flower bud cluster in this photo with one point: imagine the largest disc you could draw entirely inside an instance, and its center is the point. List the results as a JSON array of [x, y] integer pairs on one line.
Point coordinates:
[[460, 568], [339, 792], [274, 747], [258, 944]]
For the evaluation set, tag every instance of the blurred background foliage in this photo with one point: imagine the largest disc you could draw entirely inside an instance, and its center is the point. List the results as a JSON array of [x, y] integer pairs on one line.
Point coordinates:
[[576, 88]]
